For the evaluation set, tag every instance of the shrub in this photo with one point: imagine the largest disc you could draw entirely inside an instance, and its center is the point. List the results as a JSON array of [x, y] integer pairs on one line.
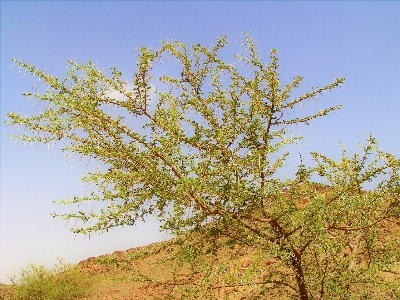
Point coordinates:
[[62, 282]]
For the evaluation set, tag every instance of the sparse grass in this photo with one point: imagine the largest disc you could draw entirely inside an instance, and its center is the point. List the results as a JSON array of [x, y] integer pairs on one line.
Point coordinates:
[[156, 272], [148, 273], [38, 283]]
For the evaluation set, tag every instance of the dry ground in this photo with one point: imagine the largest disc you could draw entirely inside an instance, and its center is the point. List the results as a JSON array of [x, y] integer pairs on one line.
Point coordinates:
[[115, 275]]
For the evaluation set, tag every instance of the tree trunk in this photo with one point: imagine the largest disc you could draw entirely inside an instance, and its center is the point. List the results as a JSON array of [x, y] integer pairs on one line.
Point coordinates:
[[296, 262], [296, 259]]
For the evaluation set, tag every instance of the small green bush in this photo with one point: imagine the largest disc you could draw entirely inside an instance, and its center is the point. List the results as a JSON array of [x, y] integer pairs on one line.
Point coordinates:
[[38, 283]]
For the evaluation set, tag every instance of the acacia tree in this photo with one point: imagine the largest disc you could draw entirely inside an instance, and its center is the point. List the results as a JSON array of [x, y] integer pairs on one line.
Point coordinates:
[[203, 156]]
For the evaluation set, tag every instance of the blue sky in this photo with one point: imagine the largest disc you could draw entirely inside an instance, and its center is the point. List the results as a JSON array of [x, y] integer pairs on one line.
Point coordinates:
[[317, 40]]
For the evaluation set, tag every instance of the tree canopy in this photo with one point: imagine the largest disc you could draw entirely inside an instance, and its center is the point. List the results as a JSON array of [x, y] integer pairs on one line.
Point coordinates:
[[203, 155]]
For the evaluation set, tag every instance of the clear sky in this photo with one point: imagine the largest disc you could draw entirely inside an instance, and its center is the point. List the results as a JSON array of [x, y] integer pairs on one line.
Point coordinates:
[[317, 40]]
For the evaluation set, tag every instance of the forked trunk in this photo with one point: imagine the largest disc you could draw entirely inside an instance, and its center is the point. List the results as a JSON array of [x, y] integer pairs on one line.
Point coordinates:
[[296, 259]]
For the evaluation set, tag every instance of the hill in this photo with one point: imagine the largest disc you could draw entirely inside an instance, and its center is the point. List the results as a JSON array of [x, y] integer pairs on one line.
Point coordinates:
[[155, 272]]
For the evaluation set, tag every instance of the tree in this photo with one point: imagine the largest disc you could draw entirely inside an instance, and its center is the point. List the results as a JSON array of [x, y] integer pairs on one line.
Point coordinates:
[[203, 157]]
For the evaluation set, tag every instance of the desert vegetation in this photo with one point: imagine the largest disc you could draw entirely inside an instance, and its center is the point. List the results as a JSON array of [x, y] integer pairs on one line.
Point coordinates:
[[160, 271], [204, 158], [36, 282]]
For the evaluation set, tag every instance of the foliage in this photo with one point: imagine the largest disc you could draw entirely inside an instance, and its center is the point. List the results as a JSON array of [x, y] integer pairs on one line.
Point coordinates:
[[62, 282], [204, 156]]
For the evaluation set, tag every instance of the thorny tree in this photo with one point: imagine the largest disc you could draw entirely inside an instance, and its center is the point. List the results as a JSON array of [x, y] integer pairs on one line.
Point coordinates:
[[203, 157]]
